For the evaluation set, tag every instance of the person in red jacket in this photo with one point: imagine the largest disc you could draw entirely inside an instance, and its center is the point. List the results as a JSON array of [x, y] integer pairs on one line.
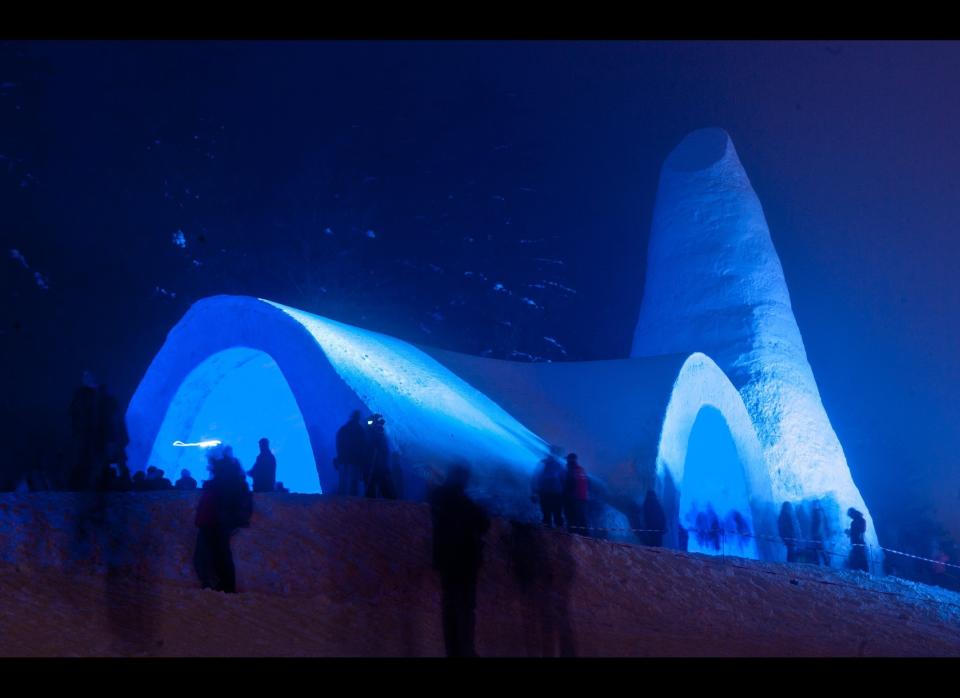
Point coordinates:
[[576, 494]]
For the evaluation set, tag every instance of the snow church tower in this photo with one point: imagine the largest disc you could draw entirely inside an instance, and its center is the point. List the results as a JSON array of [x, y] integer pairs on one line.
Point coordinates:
[[714, 284]]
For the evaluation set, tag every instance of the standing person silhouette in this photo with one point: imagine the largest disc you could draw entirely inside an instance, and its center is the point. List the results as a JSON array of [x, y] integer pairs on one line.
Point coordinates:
[[788, 531], [379, 478], [458, 528], [225, 505], [576, 493], [548, 488], [264, 470], [351, 455], [858, 548], [654, 521], [816, 535]]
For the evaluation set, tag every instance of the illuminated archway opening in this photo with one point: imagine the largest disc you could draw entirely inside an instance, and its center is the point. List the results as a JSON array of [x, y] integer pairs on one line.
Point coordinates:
[[236, 396], [714, 501]]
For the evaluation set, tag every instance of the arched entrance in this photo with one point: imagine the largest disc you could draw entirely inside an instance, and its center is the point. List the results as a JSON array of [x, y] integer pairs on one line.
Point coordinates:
[[711, 470], [714, 502], [236, 396]]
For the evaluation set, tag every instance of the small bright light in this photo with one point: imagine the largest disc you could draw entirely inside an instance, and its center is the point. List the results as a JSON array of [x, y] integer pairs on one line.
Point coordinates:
[[202, 444]]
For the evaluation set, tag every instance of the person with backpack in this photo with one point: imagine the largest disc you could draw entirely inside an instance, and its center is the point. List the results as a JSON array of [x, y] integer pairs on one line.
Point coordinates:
[[225, 506], [548, 489]]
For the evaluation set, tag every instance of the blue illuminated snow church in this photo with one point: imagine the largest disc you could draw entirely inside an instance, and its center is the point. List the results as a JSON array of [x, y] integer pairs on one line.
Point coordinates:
[[716, 409]]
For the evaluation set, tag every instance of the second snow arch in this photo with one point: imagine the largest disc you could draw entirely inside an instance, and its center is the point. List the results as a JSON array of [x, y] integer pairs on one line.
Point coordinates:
[[710, 465], [433, 417]]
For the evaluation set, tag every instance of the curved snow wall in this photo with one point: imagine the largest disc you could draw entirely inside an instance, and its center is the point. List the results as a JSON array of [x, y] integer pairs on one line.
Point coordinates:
[[714, 284]]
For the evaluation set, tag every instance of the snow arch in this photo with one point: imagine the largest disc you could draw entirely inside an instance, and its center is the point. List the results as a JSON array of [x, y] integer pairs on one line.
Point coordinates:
[[710, 464], [329, 368]]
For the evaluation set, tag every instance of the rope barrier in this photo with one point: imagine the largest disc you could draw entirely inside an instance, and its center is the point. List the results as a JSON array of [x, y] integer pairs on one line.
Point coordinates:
[[813, 543], [797, 577]]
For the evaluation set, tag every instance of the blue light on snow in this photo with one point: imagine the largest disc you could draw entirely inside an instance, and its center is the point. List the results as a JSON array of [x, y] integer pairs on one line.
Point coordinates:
[[714, 488], [237, 396]]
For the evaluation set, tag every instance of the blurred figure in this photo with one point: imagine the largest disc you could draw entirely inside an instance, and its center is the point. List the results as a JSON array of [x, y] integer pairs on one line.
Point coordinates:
[[858, 548], [139, 482], [89, 448], [458, 528], [742, 529], [225, 505], [716, 530], [548, 488], [351, 455], [281, 488], [576, 494], [816, 535], [788, 531], [186, 482], [264, 470], [112, 429], [654, 520], [379, 481]]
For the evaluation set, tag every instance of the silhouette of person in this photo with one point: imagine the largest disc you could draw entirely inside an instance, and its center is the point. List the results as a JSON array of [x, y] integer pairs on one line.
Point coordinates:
[[788, 530], [280, 487], [351, 455], [161, 482], [225, 505], [576, 494], [716, 531], [186, 482], [858, 548], [379, 481], [742, 529], [264, 470], [548, 486], [89, 447], [805, 552], [701, 528], [654, 521], [112, 434], [458, 528], [816, 535], [139, 482]]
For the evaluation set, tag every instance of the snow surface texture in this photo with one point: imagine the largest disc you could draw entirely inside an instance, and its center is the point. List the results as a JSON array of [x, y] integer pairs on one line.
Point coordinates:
[[714, 284]]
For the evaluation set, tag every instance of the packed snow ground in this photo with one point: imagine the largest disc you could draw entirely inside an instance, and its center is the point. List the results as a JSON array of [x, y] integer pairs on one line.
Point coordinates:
[[338, 576]]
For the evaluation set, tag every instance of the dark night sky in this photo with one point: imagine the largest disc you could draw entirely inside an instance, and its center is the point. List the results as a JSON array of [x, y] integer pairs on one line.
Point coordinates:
[[490, 158]]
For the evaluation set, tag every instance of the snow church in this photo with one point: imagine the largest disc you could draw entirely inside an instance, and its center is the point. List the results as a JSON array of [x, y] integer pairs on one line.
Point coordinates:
[[716, 409]]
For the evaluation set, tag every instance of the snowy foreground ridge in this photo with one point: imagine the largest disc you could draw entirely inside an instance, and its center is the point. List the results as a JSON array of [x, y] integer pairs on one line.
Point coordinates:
[[717, 409]]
